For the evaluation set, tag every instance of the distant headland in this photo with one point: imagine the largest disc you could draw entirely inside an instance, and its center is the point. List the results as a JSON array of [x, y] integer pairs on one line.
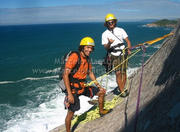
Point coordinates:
[[163, 23]]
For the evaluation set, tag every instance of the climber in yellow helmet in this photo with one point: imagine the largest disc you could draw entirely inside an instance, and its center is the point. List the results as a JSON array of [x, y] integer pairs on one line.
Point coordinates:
[[113, 41], [74, 80]]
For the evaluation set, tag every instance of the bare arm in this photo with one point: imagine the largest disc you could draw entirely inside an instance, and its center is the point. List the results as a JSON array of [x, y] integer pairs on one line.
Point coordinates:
[[93, 78], [128, 44], [107, 46], [67, 71]]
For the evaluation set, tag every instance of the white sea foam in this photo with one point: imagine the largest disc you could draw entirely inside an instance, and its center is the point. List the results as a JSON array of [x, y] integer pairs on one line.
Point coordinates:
[[46, 117], [41, 119], [108, 82], [29, 78], [56, 70], [40, 78], [6, 82]]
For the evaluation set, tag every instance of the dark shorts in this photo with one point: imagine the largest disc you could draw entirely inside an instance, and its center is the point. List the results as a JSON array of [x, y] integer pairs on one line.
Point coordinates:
[[120, 62], [89, 92]]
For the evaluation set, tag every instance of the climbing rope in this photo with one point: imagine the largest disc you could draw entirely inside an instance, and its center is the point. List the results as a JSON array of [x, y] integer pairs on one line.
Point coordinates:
[[139, 89], [132, 54], [101, 77], [94, 112]]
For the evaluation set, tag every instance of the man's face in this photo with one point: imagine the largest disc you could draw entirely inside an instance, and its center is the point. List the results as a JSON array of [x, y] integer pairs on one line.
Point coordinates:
[[111, 24], [88, 49]]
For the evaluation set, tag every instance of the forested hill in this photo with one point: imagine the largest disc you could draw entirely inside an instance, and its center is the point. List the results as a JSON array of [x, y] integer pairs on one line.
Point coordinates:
[[163, 23]]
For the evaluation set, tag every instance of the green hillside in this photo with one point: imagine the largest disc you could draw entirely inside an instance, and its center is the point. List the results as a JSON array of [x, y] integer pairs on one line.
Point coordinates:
[[165, 22]]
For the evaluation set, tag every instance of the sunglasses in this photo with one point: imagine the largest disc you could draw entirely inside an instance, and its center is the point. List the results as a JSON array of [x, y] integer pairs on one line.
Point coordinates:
[[110, 23]]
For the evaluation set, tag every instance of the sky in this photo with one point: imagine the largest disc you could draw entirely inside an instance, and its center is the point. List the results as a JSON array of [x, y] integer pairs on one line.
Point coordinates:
[[13, 12]]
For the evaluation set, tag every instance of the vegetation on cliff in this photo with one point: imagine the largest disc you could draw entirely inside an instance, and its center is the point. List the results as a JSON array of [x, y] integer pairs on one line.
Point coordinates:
[[163, 23], [166, 22]]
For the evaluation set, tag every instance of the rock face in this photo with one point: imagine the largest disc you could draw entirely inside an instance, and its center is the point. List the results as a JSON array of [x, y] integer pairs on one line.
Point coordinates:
[[159, 108]]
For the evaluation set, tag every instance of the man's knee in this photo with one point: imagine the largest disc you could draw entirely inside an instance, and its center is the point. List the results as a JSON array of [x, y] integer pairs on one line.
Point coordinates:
[[101, 93], [118, 73]]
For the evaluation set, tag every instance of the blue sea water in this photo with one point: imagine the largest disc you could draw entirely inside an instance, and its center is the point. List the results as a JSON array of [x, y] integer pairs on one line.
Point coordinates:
[[30, 58]]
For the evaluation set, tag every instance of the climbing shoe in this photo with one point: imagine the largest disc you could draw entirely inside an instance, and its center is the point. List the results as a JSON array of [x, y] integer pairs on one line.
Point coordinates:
[[124, 93], [104, 112]]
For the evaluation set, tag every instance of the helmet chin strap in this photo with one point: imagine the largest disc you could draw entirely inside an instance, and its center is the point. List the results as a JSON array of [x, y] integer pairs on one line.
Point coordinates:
[[84, 54]]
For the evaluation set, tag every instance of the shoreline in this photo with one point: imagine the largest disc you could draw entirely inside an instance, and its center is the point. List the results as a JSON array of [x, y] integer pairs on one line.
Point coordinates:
[[156, 25]]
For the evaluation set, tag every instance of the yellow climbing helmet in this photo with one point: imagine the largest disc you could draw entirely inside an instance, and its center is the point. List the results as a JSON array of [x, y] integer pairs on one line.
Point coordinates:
[[87, 41], [109, 17]]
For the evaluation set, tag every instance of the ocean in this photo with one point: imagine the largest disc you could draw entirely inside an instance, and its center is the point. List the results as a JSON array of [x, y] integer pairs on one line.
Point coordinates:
[[30, 58]]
